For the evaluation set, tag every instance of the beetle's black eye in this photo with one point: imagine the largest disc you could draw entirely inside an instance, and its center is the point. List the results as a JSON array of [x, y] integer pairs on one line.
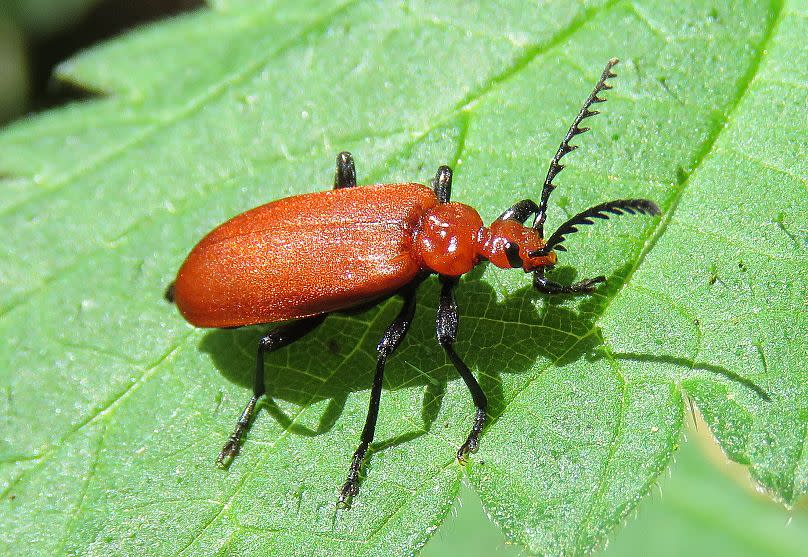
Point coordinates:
[[512, 253]]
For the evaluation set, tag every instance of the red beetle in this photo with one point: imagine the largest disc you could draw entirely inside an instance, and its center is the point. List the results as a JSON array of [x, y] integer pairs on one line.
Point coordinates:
[[306, 256]]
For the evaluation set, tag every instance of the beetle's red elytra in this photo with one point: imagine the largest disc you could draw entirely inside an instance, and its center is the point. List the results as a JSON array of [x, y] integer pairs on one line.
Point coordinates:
[[300, 258], [239, 274]]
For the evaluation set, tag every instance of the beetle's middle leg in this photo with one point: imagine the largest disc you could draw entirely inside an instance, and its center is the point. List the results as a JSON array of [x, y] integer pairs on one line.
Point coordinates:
[[280, 337], [446, 325], [393, 336]]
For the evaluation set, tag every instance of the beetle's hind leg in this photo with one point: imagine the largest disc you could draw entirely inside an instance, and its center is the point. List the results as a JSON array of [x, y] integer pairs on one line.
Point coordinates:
[[280, 337], [447, 334], [345, 174], [393, 336]]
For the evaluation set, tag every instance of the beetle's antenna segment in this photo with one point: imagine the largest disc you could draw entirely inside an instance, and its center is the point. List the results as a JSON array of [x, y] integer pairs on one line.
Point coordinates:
[[565, 147], [602, 211]]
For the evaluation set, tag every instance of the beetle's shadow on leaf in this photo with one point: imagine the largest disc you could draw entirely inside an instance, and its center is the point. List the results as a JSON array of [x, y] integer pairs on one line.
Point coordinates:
[[497, 335]]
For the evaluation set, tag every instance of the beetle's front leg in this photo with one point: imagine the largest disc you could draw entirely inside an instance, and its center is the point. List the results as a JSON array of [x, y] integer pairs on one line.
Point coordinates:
[[520, 211], [446, 325], [543, 284]]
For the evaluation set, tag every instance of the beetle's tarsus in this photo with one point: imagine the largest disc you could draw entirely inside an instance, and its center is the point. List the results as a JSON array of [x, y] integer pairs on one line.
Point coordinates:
[[588, 285], [472, 443], [469, 447], [346, 495], [231, 448], [351, 486], [228, 452]]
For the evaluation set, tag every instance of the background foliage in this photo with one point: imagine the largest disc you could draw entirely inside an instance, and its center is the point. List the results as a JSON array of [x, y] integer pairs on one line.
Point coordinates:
[[114, 408]]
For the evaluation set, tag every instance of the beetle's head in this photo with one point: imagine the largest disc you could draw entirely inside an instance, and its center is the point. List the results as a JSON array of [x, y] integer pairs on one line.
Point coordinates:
[[509, 244]]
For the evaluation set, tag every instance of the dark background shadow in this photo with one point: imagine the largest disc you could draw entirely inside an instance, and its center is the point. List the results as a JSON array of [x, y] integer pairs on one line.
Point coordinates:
[[48, 37]]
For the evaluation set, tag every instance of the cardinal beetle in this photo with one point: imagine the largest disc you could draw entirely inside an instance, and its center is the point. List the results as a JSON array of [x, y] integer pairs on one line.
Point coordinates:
[[303, 257]]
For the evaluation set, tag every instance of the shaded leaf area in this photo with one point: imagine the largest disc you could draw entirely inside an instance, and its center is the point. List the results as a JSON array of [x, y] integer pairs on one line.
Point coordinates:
[[114, 409]]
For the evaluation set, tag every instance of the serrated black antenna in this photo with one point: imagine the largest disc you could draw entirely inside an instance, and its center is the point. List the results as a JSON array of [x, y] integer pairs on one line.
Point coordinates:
[[602, 211], [565, 147]]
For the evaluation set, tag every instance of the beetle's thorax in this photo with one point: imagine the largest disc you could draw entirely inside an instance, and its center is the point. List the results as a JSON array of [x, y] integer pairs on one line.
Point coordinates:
[[447, 239], [451, 240]]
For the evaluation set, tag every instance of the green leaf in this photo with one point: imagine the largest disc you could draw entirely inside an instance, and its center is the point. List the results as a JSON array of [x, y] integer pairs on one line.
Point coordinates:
[[698, 511], [701, 512], [114, 409]]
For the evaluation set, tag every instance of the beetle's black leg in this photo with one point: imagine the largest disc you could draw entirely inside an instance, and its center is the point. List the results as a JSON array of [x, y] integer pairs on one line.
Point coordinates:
[[442, 184], [520, 211], [446, 325], [345, 175], [280, 337], [542, 284], [393, 336]]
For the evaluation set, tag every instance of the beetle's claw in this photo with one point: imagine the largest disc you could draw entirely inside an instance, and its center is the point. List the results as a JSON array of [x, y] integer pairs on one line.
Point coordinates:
[[347, 493], [469, 447], [228, 452]]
